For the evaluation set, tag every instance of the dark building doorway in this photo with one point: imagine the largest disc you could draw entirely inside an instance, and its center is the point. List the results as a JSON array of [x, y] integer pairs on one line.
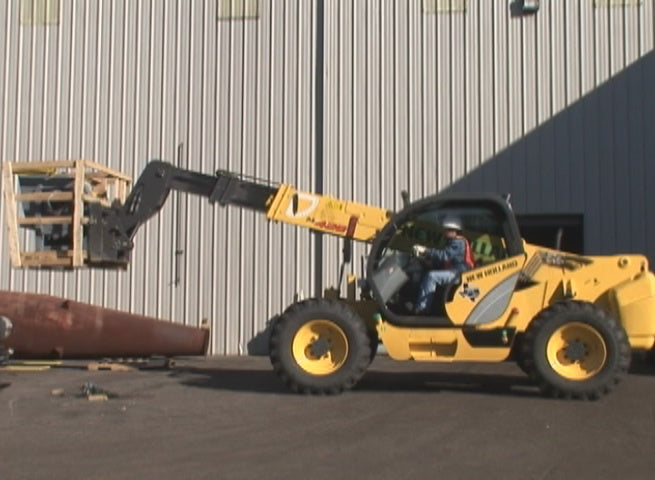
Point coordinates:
[[548, 230]]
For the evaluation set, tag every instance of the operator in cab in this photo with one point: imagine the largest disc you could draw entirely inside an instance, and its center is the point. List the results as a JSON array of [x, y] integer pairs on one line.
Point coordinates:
[[446, 264]]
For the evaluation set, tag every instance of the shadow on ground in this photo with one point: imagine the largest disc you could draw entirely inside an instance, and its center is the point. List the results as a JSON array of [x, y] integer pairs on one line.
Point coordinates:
[[435, 382], [643, 365], [265, 381]]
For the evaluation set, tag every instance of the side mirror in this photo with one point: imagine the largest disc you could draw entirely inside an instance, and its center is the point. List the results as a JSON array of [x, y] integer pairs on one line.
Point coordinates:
[[405, 196]]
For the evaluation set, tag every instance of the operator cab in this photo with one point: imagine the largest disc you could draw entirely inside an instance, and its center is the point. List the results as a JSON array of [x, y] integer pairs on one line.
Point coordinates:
[[478, 295]]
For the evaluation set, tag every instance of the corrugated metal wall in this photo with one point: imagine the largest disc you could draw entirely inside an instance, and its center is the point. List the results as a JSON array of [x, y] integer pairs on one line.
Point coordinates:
[[361, 99]]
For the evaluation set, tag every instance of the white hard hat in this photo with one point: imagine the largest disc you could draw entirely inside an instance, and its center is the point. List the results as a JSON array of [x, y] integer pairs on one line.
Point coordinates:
[[452, 223]]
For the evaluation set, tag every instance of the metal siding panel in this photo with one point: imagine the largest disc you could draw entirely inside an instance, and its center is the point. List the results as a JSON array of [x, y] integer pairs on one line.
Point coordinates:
[[151, 64], [415, 92], [486, 88], [264, 232], [647, 99], [602, 44], [403, 106], [606, 145], [248, 280], [646, 27], [637, 204], [619, 176], [361, 99], [459, 85], [167, 225], [594, 188], [99, 282], [586, 109], [444, 103], [374, 92], [138, 149], [515, 88], [384, 159], [310, 42], [574, 72], [427, 184], [8, 130], [591, 180], [501, 113], [5, 49], [544, 84], [5, 55], [531, 115], [334, 72], [162, 253], [511, 101], [616, 39], [298, 108], [472, 100], [23, 93], [223, 275], [402, 111], [128, 125], [200, 159], [342, 163], [262, 152], [234, 247], [631, 34], [557, 194], [276, 246]]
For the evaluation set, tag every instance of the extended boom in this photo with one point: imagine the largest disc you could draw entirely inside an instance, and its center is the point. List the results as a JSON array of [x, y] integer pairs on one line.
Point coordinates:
[[112, 229]]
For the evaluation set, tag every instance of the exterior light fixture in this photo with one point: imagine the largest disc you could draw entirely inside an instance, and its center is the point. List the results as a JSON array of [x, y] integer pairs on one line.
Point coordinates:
[[530, 6]]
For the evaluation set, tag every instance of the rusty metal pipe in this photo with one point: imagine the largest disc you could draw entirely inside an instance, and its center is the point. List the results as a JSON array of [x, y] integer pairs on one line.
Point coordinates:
[[47, 326]]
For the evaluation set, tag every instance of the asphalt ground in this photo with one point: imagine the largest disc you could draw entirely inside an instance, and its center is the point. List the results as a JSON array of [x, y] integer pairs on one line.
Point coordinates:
[[230, 417]]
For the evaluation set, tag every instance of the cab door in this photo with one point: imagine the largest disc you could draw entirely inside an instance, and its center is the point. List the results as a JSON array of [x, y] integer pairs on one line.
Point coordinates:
[[484, 293], [479, 296]]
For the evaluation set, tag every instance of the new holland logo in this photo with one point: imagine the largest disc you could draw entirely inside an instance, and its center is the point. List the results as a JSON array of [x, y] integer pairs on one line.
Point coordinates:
[[470, 291]]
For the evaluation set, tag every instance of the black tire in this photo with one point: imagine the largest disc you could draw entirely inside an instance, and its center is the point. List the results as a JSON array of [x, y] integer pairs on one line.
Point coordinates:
[[517, 355], [373, 341], [319, 347], [575, 349]]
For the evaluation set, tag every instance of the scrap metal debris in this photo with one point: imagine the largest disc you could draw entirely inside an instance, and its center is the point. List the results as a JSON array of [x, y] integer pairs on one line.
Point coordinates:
[[94, 393]]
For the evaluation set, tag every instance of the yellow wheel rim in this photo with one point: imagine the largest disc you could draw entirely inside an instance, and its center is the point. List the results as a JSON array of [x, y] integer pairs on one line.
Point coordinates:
[[576, 351], [320, 347]]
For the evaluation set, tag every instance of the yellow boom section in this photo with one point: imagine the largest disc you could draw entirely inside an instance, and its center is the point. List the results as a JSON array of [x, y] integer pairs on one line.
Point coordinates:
[[327, 214]]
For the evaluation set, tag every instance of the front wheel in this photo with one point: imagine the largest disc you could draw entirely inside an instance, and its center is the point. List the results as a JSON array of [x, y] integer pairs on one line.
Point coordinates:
[[319, 347], [575, 349]]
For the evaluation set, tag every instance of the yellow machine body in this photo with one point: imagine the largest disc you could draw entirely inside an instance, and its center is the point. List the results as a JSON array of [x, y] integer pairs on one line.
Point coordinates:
[[572, 318], [326, 214], [621, 285]]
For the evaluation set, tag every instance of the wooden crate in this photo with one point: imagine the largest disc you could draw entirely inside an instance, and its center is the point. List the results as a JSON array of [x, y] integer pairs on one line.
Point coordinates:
[[31, 189]]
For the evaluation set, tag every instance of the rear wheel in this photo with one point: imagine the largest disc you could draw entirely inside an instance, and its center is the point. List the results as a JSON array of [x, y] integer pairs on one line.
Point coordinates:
[[319, 347], [575, 350]]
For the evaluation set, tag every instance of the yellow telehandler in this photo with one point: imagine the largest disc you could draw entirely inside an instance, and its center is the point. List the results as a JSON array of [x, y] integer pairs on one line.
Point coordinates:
[[569, 321]]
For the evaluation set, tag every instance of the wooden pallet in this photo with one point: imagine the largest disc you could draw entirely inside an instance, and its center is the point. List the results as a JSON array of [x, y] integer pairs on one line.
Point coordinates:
[[86, 182], [113, 367]]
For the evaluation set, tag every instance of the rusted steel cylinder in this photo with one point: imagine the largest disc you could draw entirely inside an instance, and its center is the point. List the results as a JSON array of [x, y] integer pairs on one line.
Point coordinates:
[[47, 326]]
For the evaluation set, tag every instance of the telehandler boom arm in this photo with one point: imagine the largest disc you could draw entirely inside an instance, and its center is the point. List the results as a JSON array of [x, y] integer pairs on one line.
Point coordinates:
[[111, 230]]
